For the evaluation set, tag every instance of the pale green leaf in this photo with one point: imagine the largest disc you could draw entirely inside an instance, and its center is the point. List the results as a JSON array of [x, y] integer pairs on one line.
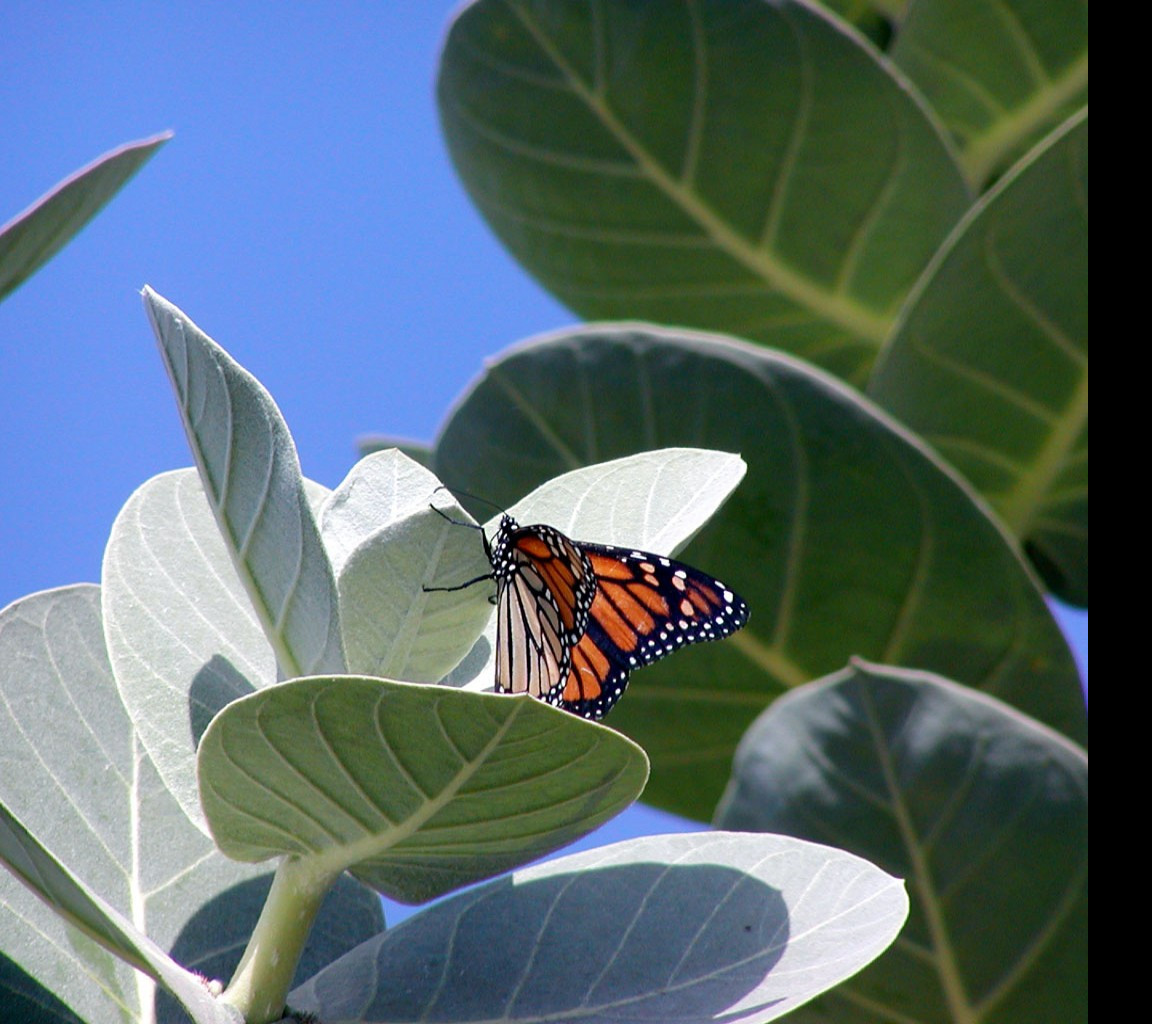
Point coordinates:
[[984, 812], [86, 813], [417, 790], [102, 982], [1000, 73], [251, 474], [656, 501], [386, 543], [990, 362], [847, 537], [680, 929], [182, 635], [737, 165], [33, 237]]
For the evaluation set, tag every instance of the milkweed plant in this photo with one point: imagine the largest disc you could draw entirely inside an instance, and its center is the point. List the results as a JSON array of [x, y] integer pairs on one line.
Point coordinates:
[[833, 262]]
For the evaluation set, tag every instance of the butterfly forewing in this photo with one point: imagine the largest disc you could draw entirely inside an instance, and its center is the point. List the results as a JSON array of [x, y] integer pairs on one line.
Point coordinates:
[[544, 590]]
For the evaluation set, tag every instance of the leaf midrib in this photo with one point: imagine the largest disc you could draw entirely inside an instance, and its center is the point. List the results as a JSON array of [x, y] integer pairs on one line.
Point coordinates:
[[764, 262]]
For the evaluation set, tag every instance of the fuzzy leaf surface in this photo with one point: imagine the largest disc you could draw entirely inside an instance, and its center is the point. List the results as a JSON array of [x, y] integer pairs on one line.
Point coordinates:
[[417, 790], [677, 929], [90, 828], [251, 474]]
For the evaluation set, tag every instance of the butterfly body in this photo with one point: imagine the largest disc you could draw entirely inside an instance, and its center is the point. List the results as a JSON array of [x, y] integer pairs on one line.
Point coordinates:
[[574, 619]]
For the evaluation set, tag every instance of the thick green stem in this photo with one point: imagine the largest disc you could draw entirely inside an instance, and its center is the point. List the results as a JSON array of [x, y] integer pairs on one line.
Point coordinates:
[[259, 988]]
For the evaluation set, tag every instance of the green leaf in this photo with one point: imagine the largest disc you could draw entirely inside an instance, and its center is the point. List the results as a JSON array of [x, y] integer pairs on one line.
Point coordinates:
[[25, 999], [386, 542], [872, 17], [251, 475], [97, 922], [32, 238], [681, 929], [1000, 73], [182, 635], [75, 783], [847, 536], [417, 790], [983, 810], [78, 787], [656, 500], [748, 167], [990, 362]]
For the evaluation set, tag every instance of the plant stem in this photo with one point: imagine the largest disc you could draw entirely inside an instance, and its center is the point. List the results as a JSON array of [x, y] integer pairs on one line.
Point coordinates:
[[259, 988]]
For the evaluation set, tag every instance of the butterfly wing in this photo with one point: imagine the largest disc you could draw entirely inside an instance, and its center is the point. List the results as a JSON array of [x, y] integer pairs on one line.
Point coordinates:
[[645, 607], [545, 588]]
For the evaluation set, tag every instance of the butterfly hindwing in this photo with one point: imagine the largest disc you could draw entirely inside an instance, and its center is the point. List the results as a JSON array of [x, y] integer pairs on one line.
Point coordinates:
[[646, 606]]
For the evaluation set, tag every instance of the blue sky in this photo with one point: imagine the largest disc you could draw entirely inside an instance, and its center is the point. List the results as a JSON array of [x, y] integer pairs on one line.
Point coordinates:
[[305, 215]]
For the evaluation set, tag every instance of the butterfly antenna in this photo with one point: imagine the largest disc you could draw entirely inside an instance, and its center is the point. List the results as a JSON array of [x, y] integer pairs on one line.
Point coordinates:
[[474, 497], [472, 526]]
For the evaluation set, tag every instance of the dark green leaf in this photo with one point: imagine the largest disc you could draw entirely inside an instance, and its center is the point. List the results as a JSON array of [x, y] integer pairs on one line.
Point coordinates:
[[846, 537], [983, 810], [990, 362], [736, 165], [1000, 73]]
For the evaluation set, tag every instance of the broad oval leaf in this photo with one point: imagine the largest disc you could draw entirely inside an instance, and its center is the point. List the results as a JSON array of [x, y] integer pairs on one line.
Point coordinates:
[[1001, 74], [846, 537], [983, 810], [182, 635], [417, 790], [737, 165], [680, 929], [990, 362], [656, 501], [33, 237], [92, 829], [387, 543], [251, 474]]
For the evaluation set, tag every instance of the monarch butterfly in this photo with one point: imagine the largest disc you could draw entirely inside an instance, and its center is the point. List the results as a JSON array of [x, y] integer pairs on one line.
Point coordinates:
[[573, 619]]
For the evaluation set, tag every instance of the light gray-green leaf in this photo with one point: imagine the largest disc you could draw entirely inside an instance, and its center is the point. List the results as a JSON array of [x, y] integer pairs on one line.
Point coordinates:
[[1000, 73], [982, 809], [73, 777], [736, 165], [990, 362], [182, 635], [33, 237], [417, 790], [848, 536], [251, 474], [74, 774], [386, 543], [681, 929], [69, 959]]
